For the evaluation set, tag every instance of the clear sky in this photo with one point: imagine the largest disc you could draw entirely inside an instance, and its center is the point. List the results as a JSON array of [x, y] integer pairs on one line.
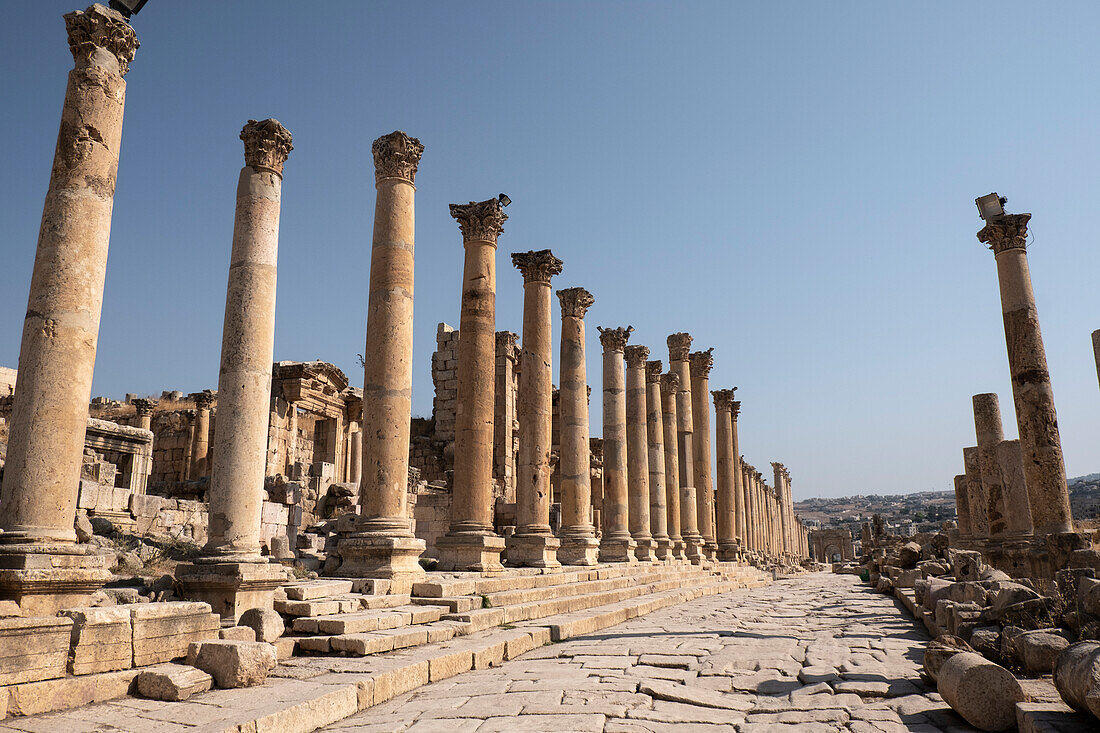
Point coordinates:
[[792, 183]]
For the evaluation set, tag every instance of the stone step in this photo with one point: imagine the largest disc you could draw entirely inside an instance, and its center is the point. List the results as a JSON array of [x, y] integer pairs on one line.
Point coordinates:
[[309, 590], [389, 618], [512, 597], [455, 604]]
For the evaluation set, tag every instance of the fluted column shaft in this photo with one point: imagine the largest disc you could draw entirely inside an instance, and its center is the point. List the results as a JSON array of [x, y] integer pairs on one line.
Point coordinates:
[[670, 385], [658, 491], [1036, 418], [616, 544]]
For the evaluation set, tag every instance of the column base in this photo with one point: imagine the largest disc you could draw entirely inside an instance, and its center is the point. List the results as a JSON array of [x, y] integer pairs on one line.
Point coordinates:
[[43, 579], [617, 549], [664, 549], [533, 551], [728, 552], [477, 553], [679, 550], [644, 549], [710, 549], [231, 588], [579, 551], [693, 550], [391, 558]]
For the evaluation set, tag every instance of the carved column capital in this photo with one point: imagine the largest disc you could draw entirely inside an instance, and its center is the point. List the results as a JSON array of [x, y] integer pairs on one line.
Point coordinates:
[[670, 383], [537, 266], [1005, 232], [480, 221], [653, 370], [506, 343], [614, 339], [636, 356], [100, 27], [143, 405], [203, 400], [701, 362], [723, 399], [678, 346], [396, 156], [735, 409], [575, 302], [266, 145]]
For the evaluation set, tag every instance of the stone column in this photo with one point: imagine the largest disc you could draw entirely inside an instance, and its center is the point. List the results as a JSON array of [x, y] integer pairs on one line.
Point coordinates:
[[978, 504], [738, 518], [746, 508], [1036, 419], [579, 545], [144, 408], [355, 459], [200, 446], [962, 506], [471, 544], [1096, 351], [504, 429], [41, 567], [637, 452], [783, 541], [616, 545], [678, 346], [987, 426], [533, 544], [1010, 460], [701, 362], [670, 387], [658, 490], [725, 526], [232, 576], [380, 543]]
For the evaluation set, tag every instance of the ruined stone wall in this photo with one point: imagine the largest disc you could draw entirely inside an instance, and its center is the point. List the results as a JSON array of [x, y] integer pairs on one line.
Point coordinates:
[[431, 517], [445, 378], [173, 436]]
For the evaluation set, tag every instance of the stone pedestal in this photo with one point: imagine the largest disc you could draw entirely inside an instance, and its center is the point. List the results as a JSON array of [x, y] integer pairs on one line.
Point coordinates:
[[700, 364], [655, 451], [726, 534], [39, 567], [231, 571], [579, 545], [1036, 419], [381, 543], [532, 544], [616, 545], [470, 543], [678, 346], [637, 452], [670, 386]]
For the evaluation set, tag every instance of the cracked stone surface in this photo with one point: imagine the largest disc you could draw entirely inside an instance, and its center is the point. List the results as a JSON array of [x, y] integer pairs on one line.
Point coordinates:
[[815, 653]]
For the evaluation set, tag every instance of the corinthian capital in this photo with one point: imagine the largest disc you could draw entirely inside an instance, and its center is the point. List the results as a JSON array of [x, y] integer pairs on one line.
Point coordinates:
[[723, 399], [266, 145], [575, 302], [396, 156], [537, 266], [653, 371], [100, 27], [701, 363], [614, 339], [670, 383], [636, 356], [143, 405], [735, 409], [678, 346], [480, 221], [506, 344], [203, 400], [1006, 232]]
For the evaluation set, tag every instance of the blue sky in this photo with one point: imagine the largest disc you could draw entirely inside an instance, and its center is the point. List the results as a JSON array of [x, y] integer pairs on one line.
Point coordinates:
[[792, 183]]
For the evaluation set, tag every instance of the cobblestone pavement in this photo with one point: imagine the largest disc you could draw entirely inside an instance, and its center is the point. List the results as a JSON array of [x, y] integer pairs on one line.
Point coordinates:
[[816, 653]]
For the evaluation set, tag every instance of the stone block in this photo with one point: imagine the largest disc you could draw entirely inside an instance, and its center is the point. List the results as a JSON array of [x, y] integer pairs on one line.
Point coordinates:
[[33, 649], [397, 680], [266, 624], [164, 631], [233, 663], [36, 698], [171, 682], [237, 633], [101, 641]]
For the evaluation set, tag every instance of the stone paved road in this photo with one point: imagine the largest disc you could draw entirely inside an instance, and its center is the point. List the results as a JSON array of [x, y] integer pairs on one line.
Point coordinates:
[[816, 653]]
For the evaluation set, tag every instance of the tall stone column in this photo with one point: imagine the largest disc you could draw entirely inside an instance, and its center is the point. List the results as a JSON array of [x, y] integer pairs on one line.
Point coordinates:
[[658, 490], [701, 362], [637, 452], [975, 489], [144, 408], [471, 544], [41, 567], [381, 543], [1036, 419], [678, 346], [579, 545], [670, 387], [504, 410], [232, 576], [962, 507], [1010, 460], [200, 446], [725, 527], [533, 544], [738, 518], [355, 457], [616, 545], [987, 426], [782, 528]]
